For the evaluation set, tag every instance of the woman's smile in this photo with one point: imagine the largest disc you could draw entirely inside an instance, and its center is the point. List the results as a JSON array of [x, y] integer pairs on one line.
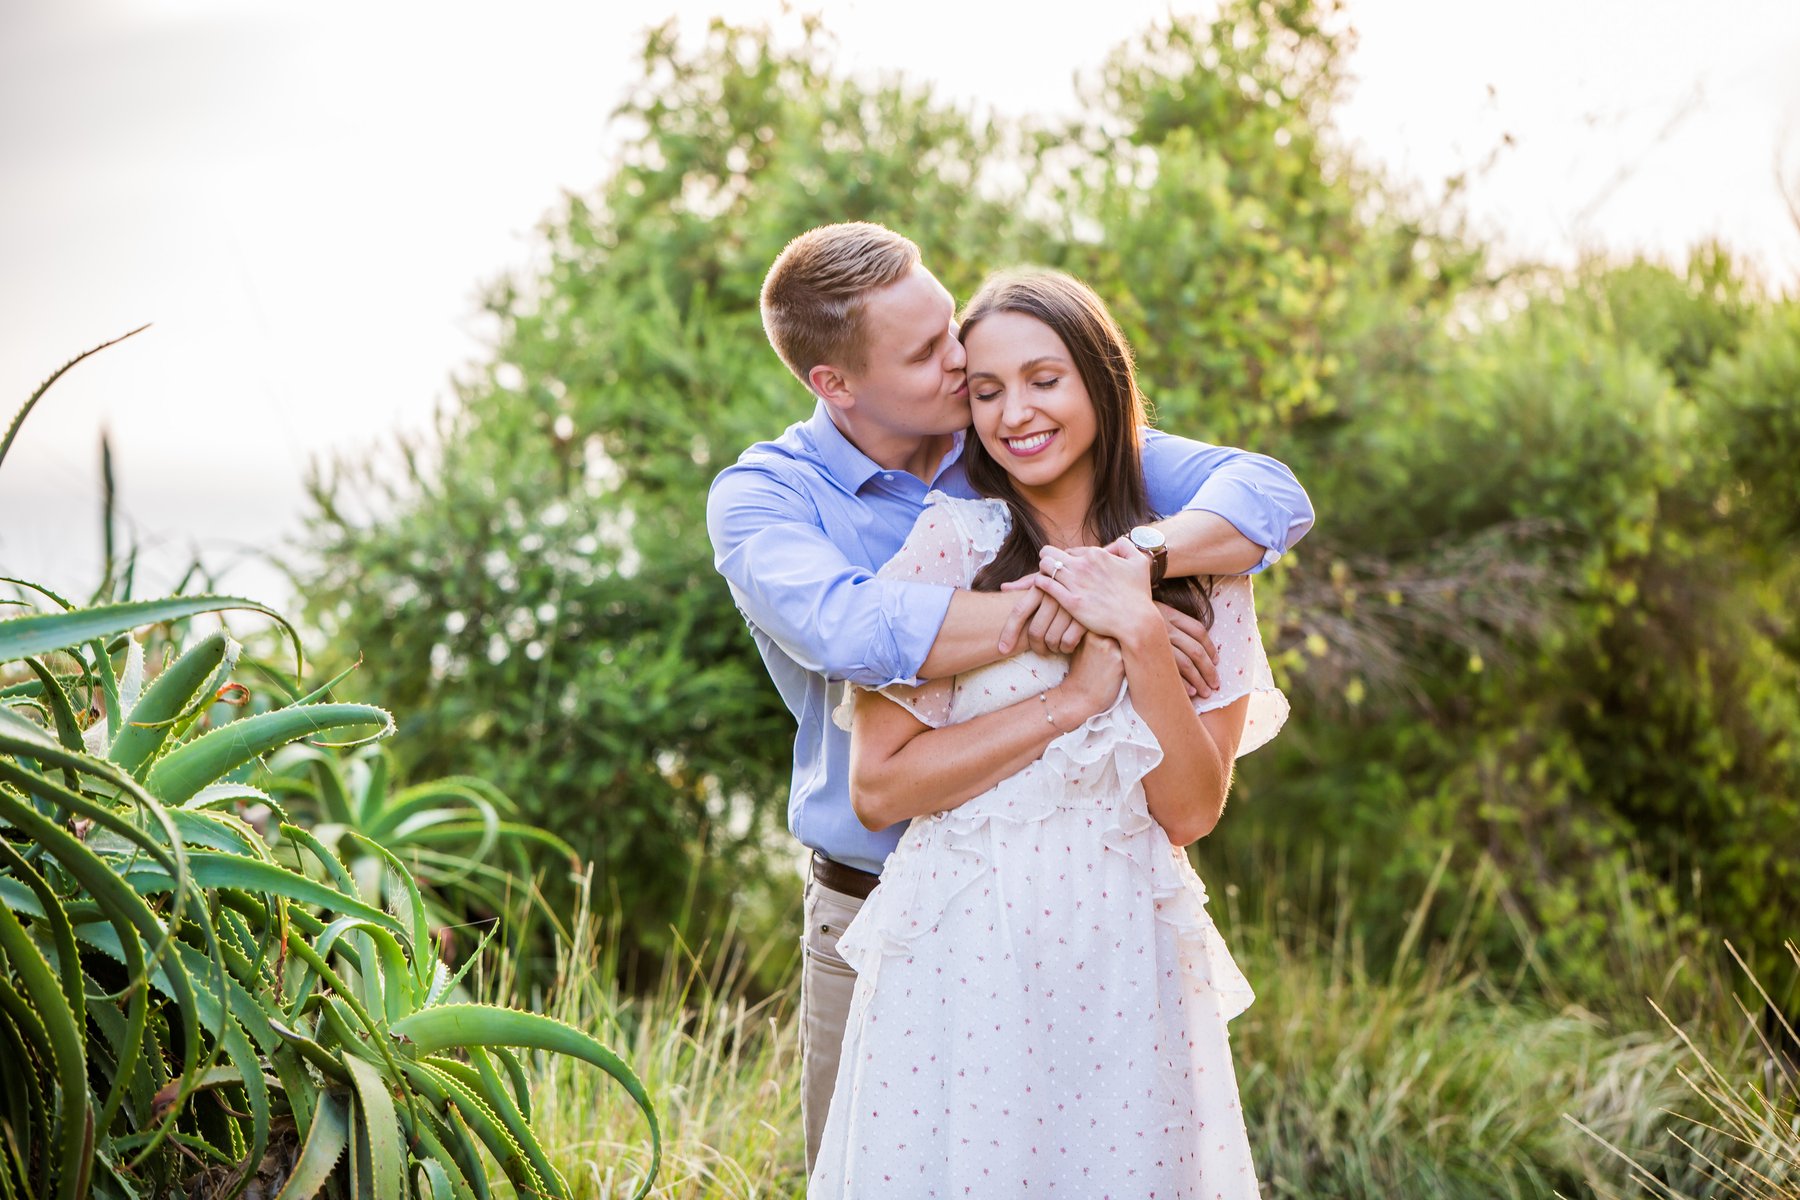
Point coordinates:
[[1029, 444]]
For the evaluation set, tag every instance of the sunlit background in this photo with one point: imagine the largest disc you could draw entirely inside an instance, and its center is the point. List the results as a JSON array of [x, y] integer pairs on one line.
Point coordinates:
[[307, 199]]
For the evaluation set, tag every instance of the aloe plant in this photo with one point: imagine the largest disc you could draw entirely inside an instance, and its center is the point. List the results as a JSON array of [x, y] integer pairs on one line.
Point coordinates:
[[459, 836], [180, 1012]]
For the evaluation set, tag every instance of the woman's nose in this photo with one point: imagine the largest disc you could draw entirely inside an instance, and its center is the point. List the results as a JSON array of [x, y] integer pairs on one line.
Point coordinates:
[[1018, 408]]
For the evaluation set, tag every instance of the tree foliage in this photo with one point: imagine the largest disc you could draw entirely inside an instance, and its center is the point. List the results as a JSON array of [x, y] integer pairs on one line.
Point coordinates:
[[1545, 616]]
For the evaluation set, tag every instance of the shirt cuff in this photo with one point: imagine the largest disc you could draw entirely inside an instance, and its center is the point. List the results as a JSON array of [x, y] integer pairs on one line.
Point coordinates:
[[1251, 511], [915, 614]]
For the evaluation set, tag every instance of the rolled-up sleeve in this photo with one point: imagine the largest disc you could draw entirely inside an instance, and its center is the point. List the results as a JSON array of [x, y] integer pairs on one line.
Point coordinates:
[[1259, 495], [790, 581]]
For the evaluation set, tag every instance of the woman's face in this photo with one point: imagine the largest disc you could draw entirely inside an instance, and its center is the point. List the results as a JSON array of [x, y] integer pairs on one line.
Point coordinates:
[[1030, 408]]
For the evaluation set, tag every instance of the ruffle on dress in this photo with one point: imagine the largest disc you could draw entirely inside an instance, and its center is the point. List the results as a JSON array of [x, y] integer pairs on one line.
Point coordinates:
[[1097, 768]]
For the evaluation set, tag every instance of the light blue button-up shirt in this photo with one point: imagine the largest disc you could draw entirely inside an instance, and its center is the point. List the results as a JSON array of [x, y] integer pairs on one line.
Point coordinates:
[[799, 526]]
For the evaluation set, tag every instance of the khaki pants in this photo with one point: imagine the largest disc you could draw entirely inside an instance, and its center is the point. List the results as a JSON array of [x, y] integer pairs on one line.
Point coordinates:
[[826, 982]]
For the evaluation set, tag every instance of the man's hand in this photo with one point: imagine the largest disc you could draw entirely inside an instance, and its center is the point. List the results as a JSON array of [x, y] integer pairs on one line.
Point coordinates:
[[1048, 626], [1053, 628], [1196, 657]]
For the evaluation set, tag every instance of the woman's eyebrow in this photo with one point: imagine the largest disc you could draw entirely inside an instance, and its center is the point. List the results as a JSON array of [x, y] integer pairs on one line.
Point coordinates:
[[1028, 365]]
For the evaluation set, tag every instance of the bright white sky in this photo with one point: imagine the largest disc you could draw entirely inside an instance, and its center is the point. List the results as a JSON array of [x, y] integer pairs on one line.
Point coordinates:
[[306, 197]]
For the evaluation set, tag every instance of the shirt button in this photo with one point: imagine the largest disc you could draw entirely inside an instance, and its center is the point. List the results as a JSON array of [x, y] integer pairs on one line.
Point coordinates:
[[889, 478]]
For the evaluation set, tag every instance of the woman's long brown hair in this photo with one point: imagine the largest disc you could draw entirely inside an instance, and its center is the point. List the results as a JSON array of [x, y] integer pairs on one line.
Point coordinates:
[[1080, 318]]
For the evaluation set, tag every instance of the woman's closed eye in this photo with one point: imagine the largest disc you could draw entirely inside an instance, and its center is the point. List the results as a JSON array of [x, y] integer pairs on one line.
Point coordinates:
[[1043, 385]]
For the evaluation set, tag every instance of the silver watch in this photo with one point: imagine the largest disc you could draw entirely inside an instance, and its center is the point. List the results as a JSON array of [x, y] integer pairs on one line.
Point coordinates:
[[1150, 540]]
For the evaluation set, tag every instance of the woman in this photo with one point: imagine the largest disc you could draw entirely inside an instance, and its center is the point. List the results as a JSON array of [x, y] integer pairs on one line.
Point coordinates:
[[1041, 998]]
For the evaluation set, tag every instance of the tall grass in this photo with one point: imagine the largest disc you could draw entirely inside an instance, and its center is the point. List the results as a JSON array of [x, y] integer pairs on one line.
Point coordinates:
[[724, 1068], [1431, 1076]]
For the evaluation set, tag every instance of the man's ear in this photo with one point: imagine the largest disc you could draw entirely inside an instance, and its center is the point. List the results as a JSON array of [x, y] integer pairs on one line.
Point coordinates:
[[832, 386]]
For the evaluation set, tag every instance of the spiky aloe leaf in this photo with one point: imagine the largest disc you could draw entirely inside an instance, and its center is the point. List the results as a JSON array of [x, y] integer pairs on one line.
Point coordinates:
[[213, 869], [118, 902], [41, 633], [28, 736], [183, 771], [62, 1021], [148, 725], [448, 1092], [324, 1145], [12, 430], [462, 1025], [486, 1081], [35, 898], [227, 793], [68, 730], [381, 1125]]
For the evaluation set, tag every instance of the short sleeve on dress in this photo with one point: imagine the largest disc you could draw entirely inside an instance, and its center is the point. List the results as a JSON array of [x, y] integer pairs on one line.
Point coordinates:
[[951, 541], [1243, 663]]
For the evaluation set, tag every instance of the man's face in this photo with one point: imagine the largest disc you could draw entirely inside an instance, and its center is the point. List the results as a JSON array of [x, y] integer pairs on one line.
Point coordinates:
[[912, 382]]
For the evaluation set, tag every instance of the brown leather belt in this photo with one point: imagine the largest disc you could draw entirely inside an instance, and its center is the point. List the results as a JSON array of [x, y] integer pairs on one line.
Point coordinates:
[[840, 878]]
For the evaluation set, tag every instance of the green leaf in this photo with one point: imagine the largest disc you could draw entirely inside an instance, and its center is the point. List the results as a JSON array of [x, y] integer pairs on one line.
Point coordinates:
[[66, 1032], [324, 1145], [199, 670], [41, 633], [462, 1025], [12, 430], [212, 869], [382, 1125], [191, 766], [68, 730]]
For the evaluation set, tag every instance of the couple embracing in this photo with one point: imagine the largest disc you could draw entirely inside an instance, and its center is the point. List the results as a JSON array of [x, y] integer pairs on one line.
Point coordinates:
[[1016, 629]]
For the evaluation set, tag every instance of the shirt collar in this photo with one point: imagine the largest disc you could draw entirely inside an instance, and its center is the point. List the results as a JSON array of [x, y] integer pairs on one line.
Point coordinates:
[[850, 466]]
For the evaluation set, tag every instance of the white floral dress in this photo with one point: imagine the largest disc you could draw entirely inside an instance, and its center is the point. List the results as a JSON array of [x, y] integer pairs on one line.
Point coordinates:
[[1041, 998]]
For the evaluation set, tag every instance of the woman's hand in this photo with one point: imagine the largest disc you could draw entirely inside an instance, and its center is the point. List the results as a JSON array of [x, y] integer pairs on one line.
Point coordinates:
[[1106, 589], [1095, 675]]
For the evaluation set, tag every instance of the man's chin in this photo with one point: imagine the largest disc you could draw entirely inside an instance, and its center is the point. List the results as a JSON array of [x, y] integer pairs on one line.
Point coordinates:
[[960, 415]]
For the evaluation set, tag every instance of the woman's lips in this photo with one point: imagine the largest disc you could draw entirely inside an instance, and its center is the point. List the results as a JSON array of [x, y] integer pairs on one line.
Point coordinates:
[[1031, 446]]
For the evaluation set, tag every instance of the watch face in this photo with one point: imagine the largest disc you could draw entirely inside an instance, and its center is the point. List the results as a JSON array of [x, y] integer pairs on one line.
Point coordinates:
[[1146, 538]]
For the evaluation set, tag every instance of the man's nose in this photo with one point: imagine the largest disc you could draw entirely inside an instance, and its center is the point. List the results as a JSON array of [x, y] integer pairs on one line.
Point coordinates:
[[957, 358]]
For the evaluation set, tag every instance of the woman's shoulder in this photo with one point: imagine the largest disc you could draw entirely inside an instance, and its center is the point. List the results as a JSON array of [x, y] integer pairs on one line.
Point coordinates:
[[964, 505], [1232, 588], [983, 522]]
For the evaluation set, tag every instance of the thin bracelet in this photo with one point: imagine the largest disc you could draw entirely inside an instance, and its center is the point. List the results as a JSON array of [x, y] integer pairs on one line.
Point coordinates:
[[1045, 697]]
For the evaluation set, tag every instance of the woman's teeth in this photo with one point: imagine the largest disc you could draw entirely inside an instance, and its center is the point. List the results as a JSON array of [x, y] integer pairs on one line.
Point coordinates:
[[1028, 445]]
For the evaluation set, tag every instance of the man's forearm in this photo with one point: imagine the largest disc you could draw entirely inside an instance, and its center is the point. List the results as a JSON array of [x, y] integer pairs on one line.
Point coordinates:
[[1204, 543], [970, 634]]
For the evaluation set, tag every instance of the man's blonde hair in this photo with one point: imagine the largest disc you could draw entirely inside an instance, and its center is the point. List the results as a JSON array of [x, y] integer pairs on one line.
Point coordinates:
[[812, 297]]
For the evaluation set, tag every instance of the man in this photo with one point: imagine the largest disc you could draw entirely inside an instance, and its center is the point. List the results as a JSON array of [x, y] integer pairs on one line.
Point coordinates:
[[799, 526]]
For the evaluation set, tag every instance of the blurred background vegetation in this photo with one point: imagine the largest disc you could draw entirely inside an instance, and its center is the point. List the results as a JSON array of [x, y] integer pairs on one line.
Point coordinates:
[[1545, 619]]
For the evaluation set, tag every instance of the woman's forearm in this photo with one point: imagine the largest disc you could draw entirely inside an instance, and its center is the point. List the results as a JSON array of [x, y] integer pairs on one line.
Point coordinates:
[[938, 769], [1186, 791]]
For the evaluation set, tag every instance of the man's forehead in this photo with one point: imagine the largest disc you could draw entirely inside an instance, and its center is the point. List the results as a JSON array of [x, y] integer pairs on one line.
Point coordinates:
[[916, 302]]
